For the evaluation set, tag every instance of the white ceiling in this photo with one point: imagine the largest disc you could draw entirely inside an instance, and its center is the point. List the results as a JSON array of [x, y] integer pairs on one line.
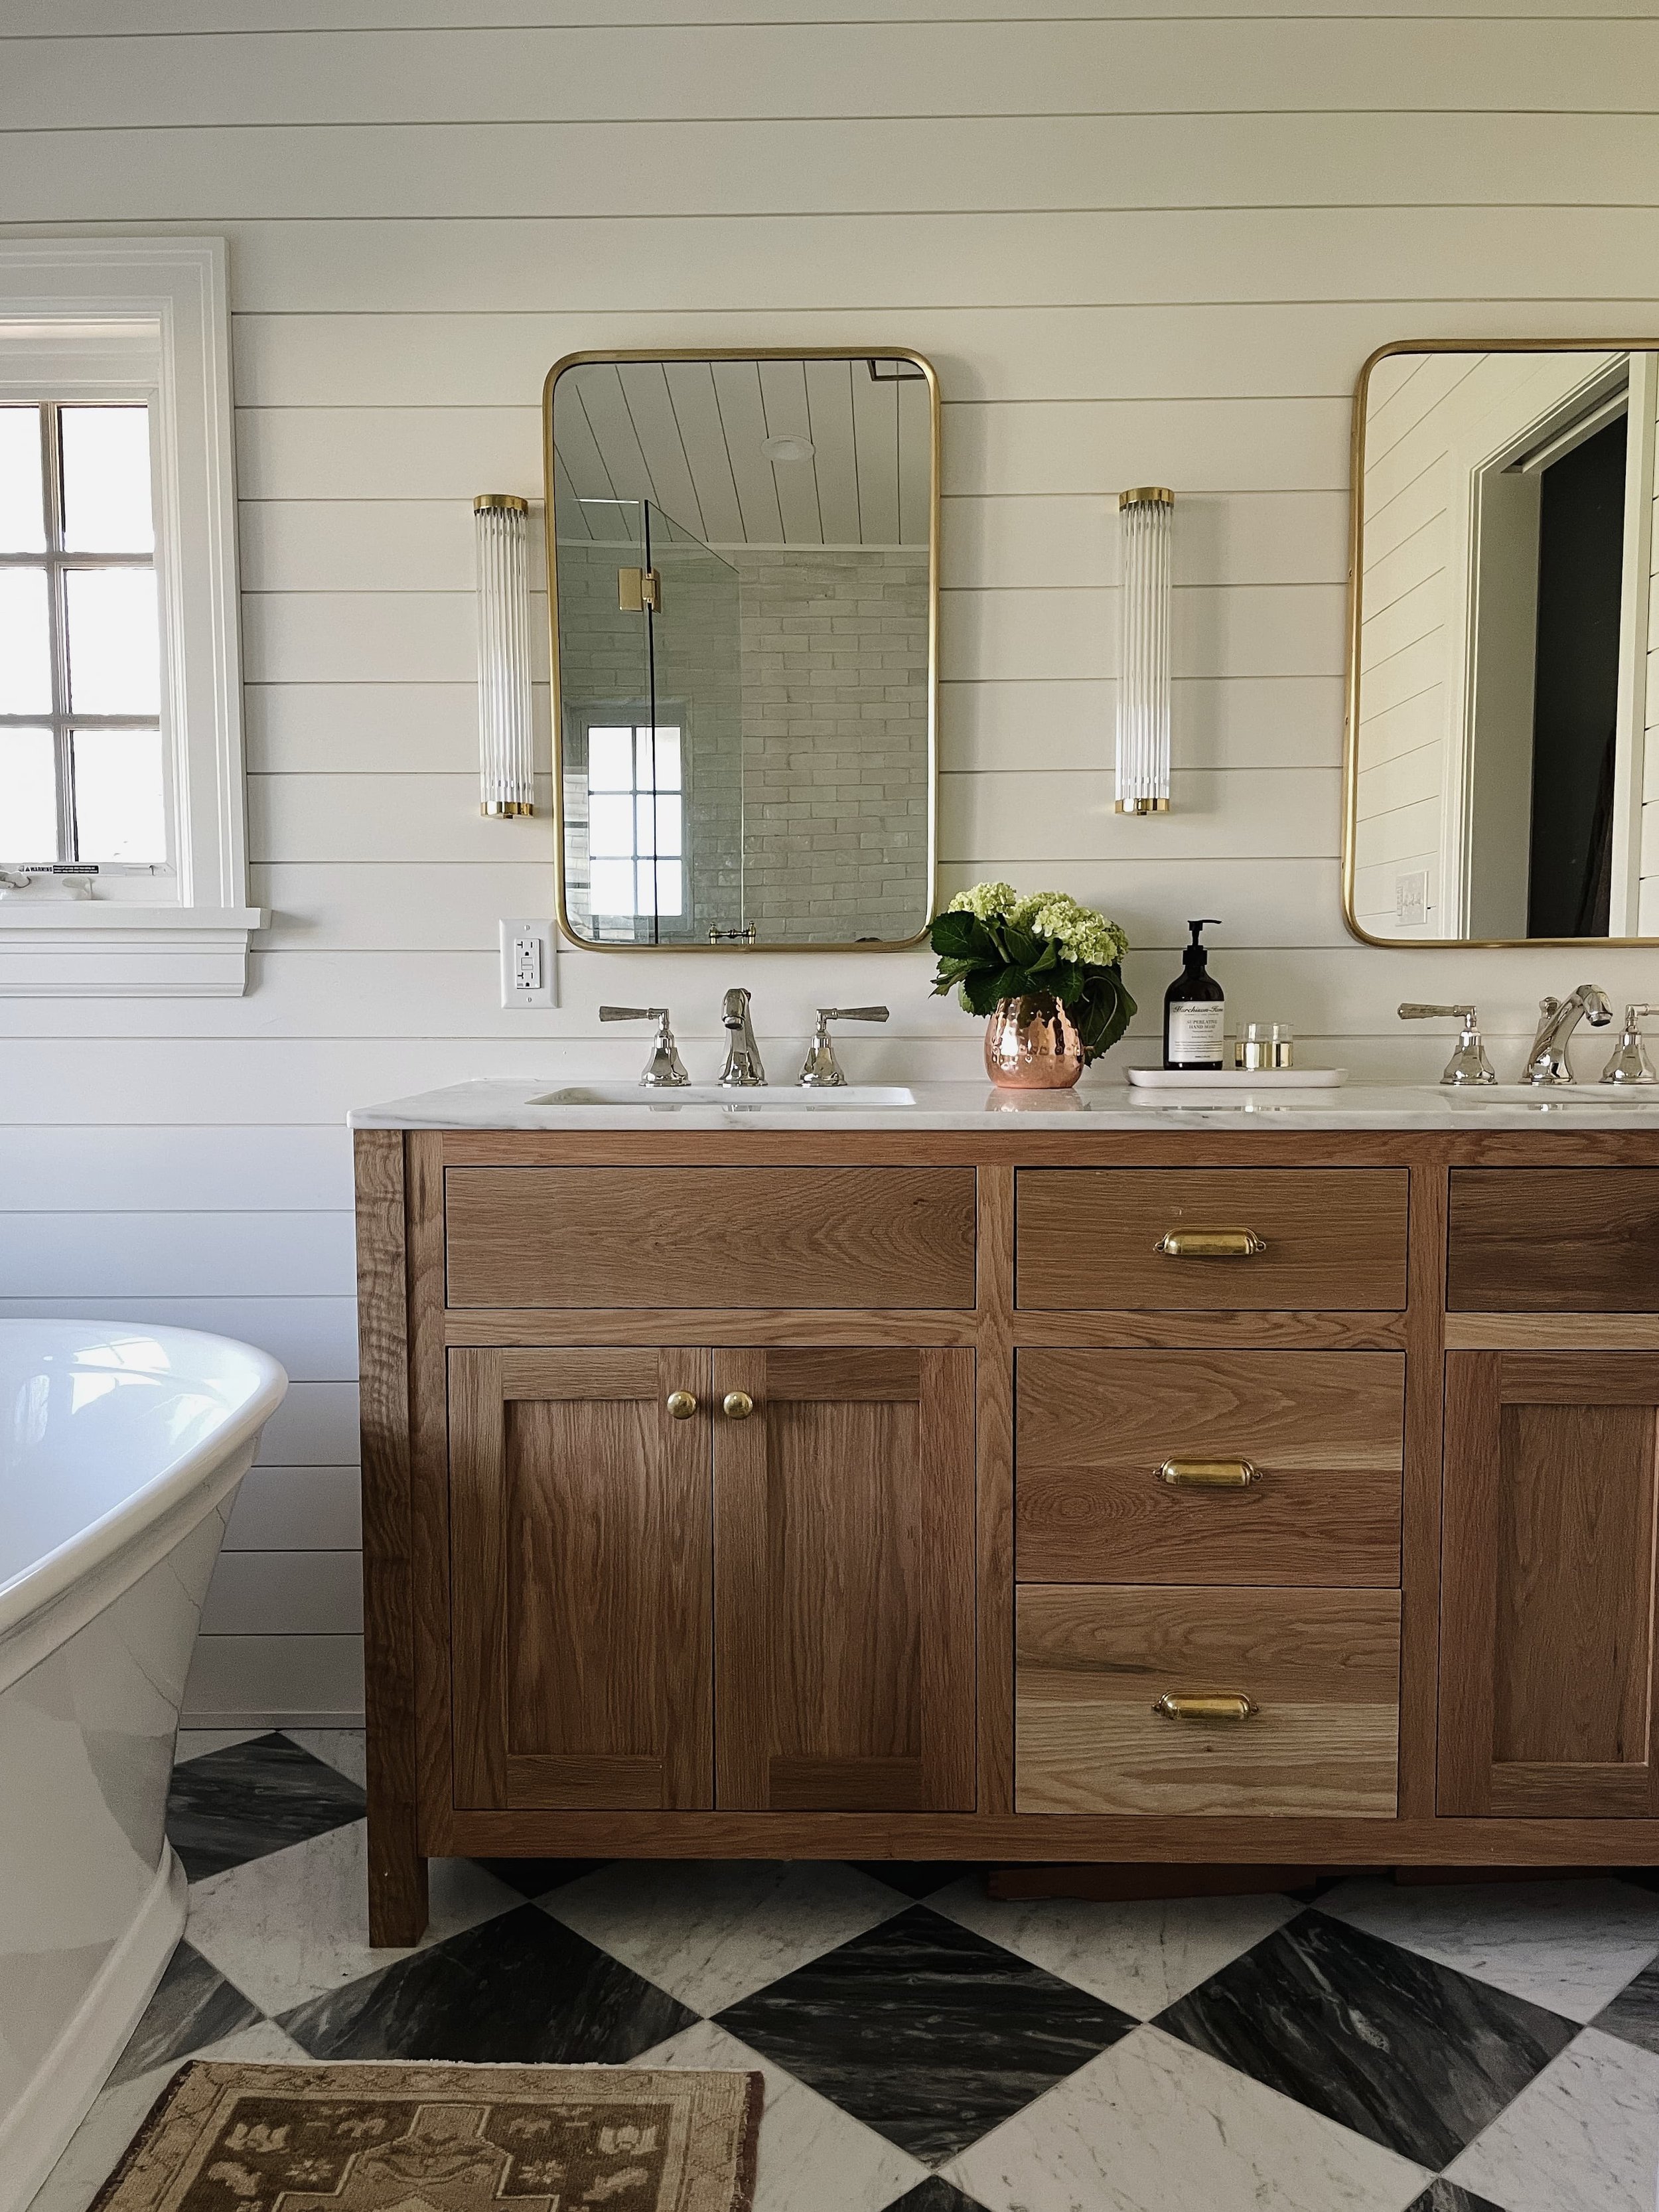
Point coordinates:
[[688, 435]]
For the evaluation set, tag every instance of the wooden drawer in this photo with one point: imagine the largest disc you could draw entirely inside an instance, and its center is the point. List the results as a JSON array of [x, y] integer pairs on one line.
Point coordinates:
[[681, 1239], [1547, 1240], [1320, 1667], [1319, 1434], [1330, 1238]]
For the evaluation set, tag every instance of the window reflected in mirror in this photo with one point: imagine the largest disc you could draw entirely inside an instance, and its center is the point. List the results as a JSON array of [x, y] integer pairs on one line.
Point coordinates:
[[1500, 718]]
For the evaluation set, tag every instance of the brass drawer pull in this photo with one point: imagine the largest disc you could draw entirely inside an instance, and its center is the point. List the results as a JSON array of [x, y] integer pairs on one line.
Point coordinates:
[[1209, 1244], [1208, 1473], [681, 1405], [1233, 1706], [737, 1404]]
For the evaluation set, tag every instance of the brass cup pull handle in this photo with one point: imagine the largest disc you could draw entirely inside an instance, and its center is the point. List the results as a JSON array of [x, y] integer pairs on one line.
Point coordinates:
[[1208, 1473], [1230, 1706], [1210, 1244], [681, 1405], [737, 1404]]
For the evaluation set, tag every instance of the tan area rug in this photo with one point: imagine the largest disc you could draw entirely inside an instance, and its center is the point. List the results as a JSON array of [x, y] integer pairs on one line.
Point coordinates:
[[435, 2138]]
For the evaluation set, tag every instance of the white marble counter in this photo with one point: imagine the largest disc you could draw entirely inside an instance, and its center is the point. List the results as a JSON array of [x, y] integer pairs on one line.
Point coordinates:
[[497, 1104]]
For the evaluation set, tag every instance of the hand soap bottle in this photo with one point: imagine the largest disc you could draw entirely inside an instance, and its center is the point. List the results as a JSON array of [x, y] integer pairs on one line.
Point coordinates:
[[1195, 1008]]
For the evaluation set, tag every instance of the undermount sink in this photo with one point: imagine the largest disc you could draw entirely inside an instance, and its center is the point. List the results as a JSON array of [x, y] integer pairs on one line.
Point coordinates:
[[764, 1098], [1582, 1097]]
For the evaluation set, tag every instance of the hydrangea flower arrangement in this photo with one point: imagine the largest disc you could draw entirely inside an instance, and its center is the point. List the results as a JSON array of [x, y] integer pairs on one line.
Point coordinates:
[[993, 944]]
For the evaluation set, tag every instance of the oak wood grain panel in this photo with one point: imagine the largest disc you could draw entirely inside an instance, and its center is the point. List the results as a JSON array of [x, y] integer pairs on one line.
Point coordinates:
[[1324, 1431], [1545, 1239], [397, 1871], [844, 1582], [995, 1418], [428, 1461], [1003, 1141], [1335, 1238], [663, 1237], [1355, 1332], [582, 1578], [1555, 1332], [1323, 1666], [1549, 1659], [1420, 1547]]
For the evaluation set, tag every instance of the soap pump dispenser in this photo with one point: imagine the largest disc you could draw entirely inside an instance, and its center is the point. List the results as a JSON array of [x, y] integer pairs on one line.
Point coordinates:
[[1195, 1008]]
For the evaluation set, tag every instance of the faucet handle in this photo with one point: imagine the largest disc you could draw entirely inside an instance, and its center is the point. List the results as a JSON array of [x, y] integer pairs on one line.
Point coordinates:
[[1629, 1062], [1470, 1063], [821, 1070], [664, 1070]]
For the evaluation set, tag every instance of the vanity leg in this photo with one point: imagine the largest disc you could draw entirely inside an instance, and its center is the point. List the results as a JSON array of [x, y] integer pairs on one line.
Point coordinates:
[[397, 1878]]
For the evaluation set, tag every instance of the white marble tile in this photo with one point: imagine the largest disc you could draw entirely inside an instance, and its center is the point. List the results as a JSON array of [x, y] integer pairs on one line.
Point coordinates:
[[1153, 2126], [812, 2157], [342, 1748], [116, 2115], [710, 1931], [1571, 1946], [1582, 2137], [196, 1744], [1140, 1955], [289, 1926]]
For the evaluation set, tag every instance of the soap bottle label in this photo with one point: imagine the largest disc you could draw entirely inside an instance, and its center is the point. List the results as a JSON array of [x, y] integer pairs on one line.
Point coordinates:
[[1197, 1030]]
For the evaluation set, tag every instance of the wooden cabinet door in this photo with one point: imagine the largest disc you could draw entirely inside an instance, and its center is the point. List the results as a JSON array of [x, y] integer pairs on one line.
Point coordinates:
[[580, 1578], [844, 1581], [1547, 1649]]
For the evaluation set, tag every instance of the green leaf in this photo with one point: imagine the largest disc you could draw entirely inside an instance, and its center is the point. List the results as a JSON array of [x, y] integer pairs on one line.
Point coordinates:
[[959, 937], [982, 990]]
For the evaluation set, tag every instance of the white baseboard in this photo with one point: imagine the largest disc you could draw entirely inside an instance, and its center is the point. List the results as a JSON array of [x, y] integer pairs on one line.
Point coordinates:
[[281, 1718]]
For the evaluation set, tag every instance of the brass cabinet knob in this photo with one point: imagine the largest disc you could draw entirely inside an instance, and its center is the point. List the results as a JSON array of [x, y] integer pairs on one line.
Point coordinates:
[[681, 1405], [1208, 1473], [737, 1404], [1235, 1706], [1210, 1244]]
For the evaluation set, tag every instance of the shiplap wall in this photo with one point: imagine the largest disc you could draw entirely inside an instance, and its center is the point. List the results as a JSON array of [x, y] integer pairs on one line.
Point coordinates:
[[1144, 243]]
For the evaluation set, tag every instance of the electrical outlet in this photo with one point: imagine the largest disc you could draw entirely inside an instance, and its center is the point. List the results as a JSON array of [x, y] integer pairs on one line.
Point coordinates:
[[1411, 898], [528, 977]]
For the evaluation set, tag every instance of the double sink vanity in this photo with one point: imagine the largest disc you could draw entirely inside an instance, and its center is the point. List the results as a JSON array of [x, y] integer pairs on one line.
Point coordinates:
[[849, 1475]]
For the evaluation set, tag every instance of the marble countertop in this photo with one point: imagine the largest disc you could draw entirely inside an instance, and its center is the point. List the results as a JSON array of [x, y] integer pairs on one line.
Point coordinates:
[[499, 1103]]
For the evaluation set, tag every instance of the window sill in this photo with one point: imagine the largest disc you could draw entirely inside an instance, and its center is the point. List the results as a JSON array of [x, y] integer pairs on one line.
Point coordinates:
[[106, 948]]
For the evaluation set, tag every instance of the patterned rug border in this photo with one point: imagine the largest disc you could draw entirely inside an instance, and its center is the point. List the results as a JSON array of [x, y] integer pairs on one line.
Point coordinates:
[[175, 2087]]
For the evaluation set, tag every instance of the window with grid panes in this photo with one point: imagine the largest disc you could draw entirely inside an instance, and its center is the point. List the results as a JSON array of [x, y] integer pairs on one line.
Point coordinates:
[[83, 775]]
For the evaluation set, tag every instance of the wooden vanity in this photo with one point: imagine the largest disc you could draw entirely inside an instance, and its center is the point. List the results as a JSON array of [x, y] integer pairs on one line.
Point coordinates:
[[1020, 1491]]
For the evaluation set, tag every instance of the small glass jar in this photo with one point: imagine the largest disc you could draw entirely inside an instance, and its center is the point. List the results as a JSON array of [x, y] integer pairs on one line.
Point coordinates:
[[1284, 1044], [1258, 1045]]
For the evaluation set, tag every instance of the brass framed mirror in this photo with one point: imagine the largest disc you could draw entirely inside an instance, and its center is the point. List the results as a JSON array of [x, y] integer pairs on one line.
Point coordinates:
[[743, 594], [1502, 753]]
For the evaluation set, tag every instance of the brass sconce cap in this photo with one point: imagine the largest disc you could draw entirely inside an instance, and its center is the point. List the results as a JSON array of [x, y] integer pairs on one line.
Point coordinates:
[[1147, 496], [509, 500]]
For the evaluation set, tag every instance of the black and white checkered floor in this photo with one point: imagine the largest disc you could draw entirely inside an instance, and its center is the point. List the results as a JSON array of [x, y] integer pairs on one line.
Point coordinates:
[[1448, 2049]]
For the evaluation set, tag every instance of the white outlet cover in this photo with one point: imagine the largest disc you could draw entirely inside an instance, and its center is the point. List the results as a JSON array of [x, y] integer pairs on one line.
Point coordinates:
[[527, 943]]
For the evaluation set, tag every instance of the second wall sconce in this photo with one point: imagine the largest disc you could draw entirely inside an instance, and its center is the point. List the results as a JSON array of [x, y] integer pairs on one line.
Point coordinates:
[[1143, 658], [507, 758]]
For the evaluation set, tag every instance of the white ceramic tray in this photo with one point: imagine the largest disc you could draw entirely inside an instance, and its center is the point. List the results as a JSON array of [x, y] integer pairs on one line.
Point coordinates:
[[1237, 1079]]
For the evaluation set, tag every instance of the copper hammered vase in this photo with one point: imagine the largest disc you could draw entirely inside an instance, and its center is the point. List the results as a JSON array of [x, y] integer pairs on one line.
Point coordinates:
[[1032, 1044]]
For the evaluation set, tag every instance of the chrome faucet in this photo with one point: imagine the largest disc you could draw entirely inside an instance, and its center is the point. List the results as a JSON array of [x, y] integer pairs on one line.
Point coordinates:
[[743, 1070], [821, 1070], [1557, 1020], [664, 1070]]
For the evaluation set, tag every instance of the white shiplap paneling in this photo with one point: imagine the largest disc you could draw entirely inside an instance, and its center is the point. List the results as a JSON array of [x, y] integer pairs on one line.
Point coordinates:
[[1143, 240]]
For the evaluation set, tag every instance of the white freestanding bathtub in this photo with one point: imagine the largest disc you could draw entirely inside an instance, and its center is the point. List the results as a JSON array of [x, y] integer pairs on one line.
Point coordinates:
[[120, 1452]]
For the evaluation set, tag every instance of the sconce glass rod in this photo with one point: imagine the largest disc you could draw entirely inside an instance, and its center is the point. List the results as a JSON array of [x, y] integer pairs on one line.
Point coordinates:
[[1143, 658], [506, 764]]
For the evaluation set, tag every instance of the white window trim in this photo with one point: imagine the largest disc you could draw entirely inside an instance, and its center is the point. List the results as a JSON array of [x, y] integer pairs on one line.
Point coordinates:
[[65, 301]]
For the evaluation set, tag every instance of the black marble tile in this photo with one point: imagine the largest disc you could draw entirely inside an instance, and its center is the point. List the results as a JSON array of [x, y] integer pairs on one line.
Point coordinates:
[[521, 1988], [918, 1878], [1400, 2049], [935, 2195], [926, 2032], [193, 2006], [251, 1799], [1443, 2196], [1634, 2013], [535, 1877]]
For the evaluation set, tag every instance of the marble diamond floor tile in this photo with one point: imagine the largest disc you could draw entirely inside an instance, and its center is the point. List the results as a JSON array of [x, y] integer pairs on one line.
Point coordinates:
[[1154, 2125], [1634, 2013], [193, 2005], [1140, 1955], [238, 1803], [713, 1931], [1582, 2137], [520, 1988], [289, 1926], [1377, 2038], [1571, 1946], [811, 2155], [925, 2031]]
